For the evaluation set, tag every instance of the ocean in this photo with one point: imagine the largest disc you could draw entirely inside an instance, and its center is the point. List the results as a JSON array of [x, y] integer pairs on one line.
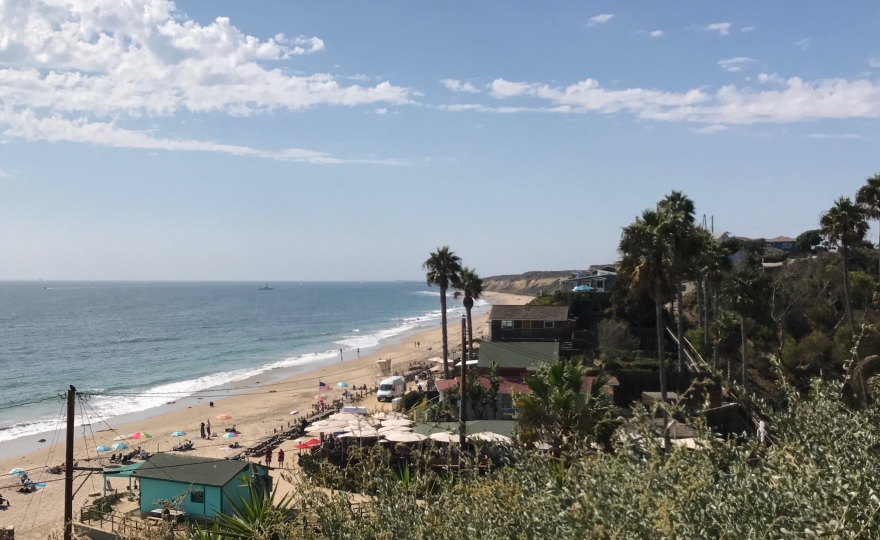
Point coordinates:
[[184, 337]]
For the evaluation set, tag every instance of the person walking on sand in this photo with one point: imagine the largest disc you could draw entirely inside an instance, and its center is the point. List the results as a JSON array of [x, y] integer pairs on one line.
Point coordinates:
[[281, 457], [202, 429], [208, 428], [268, 456]]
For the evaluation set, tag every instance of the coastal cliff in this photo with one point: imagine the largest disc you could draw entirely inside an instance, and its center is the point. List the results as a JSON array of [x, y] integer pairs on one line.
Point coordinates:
[[527, 283]]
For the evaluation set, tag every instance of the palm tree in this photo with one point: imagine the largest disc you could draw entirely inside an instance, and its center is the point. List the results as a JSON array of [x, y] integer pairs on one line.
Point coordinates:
[[470, 286], [557, 410], [740, 289], [680, 211], [845, 224], [647, 264], [714, 264], [869, 197], [443, 267]]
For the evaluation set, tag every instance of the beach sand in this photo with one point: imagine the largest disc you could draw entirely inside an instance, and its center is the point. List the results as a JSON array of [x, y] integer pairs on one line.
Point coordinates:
[[255, 412]]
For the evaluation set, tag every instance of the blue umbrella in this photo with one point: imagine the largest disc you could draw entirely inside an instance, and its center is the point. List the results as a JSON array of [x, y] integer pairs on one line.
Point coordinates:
[[17, 472], [120, 446], [102, 448], [342, 384], [178, 433]]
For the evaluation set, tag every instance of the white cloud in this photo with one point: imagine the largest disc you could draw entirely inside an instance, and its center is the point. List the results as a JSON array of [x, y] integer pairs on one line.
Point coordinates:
[[55, 128], [874, 63], [77, 60], [734, 64], [746, 29], [788, 100], [657, 33], [833, 136], [457, 86], [600, 19], [722, 28], [803, 43], [4, 174], [710, 129], [382, 110]]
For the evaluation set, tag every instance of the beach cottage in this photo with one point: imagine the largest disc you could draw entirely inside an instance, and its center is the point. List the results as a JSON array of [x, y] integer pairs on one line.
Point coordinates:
[[208, 483]]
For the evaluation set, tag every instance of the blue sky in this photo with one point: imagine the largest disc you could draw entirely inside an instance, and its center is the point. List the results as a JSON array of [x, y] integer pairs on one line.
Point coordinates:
[[153, 140]]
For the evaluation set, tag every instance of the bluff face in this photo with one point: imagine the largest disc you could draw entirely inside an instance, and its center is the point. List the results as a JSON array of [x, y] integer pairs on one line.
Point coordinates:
[[527, 283]]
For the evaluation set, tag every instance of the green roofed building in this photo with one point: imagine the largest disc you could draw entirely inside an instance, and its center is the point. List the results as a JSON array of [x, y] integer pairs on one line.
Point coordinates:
[[210, 482], [517, 357]]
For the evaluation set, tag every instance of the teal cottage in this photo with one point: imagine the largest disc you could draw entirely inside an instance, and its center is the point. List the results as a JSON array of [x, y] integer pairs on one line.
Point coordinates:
[[211, 482]]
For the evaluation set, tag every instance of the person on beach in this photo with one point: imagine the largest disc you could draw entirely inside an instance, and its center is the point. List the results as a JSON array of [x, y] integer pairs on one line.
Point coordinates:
[[268, 456], [281, 457], [202, 429], [340, 355], [359, 352], [208, 427]]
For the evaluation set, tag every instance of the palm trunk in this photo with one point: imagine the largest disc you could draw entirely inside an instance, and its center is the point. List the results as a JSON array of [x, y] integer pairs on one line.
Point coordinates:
[[470, 331], [849, 314], [715, 320], [462, 412], [443, 331], [661, 353], [705, 288], [745, 374], [680, 330]]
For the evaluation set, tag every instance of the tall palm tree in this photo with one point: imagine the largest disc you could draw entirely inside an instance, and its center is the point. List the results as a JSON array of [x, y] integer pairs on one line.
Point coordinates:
[[680, 211], [443, 267], [470, 286], [869, 197], [844, 225], [714, 264], [740, 290], [647, 264]]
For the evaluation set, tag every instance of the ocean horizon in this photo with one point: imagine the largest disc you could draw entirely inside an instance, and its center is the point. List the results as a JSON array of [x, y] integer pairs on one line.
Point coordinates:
[[159, 340]]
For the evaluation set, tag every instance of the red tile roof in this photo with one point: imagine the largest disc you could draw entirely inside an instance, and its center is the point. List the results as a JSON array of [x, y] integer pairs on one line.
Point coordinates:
[[781, 239]]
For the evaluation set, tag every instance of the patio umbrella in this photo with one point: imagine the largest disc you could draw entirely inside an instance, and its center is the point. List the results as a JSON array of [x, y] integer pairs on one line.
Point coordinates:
[[17, 472], [398, 422], [120, 446], [365, 431], [224, 417], [178, 433], [140, 435], [342, 384], [404, 437], [102, 448], [444, 436], [307, 444], [345, 416], [230, 435], [488, 436], [392, 429]]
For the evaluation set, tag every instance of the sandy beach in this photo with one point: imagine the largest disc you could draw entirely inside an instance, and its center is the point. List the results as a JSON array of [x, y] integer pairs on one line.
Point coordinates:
[[256, 412]]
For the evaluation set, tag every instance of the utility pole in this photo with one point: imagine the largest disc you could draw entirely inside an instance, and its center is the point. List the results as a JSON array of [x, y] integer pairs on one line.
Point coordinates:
[[462, 412], [68, 466]]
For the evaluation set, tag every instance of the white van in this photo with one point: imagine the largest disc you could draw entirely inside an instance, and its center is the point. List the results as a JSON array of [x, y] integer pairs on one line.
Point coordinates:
[[391, 388]]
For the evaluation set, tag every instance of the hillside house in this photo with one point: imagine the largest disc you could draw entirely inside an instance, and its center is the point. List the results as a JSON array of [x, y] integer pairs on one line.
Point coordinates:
[[597, 278], [528, 323]]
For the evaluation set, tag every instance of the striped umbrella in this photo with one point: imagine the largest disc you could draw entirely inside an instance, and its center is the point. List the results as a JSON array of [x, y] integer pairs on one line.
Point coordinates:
[[141, 435]]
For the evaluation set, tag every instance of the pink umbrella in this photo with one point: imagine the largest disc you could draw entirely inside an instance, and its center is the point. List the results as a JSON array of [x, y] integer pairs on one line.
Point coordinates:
[[141, 435]]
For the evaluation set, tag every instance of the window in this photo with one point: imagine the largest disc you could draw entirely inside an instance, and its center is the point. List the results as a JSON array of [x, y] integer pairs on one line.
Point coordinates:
[[548, 324], [506, 325], [197, 496], [386, 387], [786, 245]]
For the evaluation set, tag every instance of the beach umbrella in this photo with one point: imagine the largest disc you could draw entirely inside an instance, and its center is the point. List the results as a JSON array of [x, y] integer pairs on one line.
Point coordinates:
[[391, 429], [102, 448], [322, 397], [224, 417], [397, 422], [345, 416], [342, 384], [140, 435], [121, 437], [444, 436], [365, 431], [404, 437], [488, 436], [17, 472], [230, 435], [178, 433], [307, 444], [120, 446]]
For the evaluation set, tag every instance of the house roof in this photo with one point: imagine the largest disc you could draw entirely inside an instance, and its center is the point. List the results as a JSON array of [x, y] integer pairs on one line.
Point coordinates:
[[781, 239], [517, 354], [190, 469], [528, 313]]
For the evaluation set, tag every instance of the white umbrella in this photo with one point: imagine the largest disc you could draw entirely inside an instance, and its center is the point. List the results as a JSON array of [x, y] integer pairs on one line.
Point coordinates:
[[488, 436], [444, 436], [436, 360], [404, 437], [382, 415], [360, 432], [392, 429], [396, 422], [344, 416], [121, 437], [328, 424]]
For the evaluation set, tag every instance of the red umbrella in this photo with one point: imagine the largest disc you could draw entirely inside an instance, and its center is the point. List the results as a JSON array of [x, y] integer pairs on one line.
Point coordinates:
[[307, 444]]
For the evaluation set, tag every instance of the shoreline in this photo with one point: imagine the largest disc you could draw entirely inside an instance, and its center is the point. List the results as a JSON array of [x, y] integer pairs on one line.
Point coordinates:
[[257, 412]]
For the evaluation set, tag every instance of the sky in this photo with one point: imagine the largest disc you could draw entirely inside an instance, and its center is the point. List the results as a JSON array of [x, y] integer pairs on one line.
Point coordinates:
[[231, 140]]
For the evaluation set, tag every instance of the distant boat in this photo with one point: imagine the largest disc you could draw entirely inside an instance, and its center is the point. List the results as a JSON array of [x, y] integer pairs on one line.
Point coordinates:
[[265, 287]]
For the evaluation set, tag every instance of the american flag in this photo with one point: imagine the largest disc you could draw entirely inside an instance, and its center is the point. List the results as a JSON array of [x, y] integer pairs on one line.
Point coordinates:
[[323, 387]]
